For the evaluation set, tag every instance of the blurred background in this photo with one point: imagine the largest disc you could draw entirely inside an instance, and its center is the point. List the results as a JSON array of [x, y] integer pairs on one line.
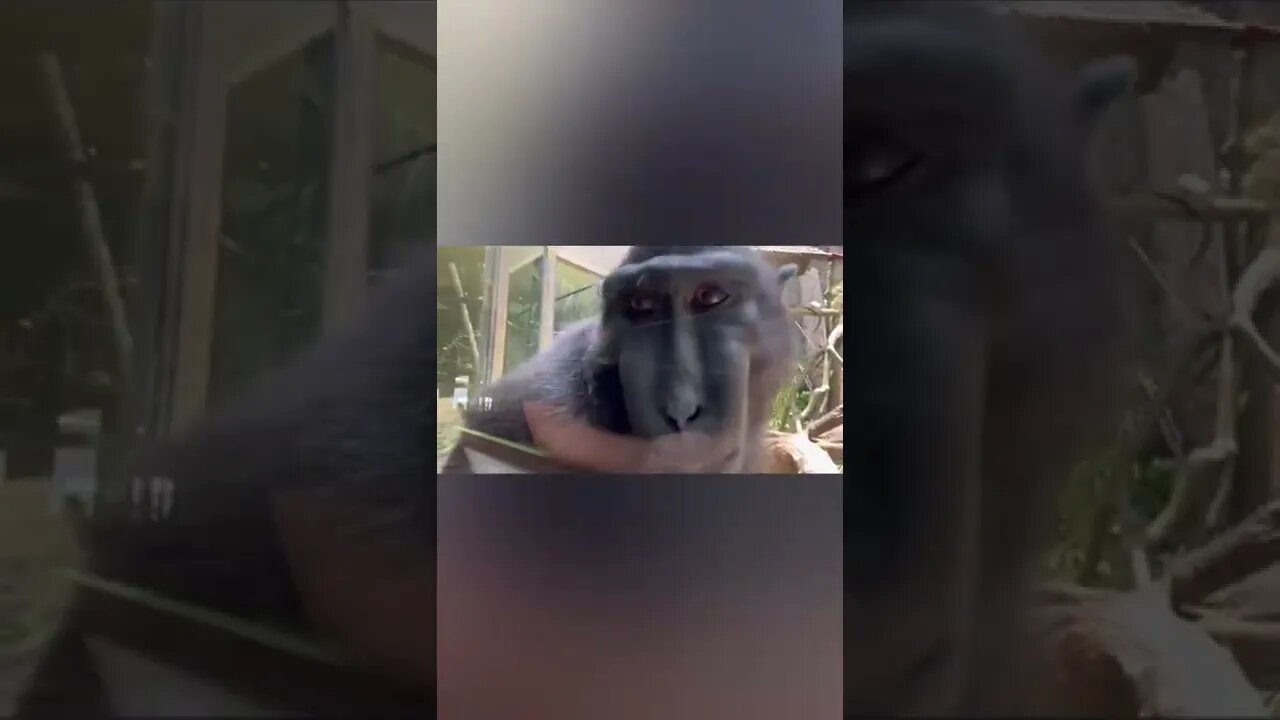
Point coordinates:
[[190, 193]]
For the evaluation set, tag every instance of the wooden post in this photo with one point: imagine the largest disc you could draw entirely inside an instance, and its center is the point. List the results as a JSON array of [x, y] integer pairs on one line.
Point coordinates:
[[547, 308], [1252, 480], [466, 319], [351, 175], [489, 273]]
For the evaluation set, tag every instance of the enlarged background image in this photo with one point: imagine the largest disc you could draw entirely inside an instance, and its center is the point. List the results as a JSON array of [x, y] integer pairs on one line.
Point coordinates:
[[499, 306], [236, 234]]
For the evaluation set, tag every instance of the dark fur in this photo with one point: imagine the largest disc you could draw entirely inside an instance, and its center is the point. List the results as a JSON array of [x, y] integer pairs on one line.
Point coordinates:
[[357, 414], [983, 297]]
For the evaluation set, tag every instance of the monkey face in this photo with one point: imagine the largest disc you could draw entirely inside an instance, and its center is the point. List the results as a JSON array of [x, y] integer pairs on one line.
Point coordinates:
[[981, 293], [684, 330]]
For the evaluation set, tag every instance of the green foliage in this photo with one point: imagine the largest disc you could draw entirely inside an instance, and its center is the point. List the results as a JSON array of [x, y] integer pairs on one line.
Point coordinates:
[[784, 408], [1109, 495], [789, 402], [1089, 487]]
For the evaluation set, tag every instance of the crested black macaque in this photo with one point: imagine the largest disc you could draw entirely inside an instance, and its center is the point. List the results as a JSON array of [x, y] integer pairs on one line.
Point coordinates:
[[705, 325], [983, 296], [352, 419], [691, 338]]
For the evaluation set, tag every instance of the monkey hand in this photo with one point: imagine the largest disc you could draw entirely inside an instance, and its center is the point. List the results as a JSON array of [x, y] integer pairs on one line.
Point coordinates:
[[579, 445]]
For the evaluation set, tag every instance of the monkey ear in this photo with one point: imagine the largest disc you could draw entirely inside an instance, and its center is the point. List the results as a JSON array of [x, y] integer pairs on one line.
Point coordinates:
[[1099, 84], [786, 272]]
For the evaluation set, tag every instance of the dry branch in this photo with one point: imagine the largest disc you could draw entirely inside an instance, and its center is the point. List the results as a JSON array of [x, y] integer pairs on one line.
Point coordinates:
[[1190, 483], [1159, 277], [1228, 588], [1261, 274], [1255, 645], [826, 422], [795, 454], [1171, 206], [817, 398], [1229, 558], [1129, 655], [1191, 478], [834, 338], [814, 309]]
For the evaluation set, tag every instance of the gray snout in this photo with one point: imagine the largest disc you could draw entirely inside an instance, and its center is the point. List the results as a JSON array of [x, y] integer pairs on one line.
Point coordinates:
[[682, 409]]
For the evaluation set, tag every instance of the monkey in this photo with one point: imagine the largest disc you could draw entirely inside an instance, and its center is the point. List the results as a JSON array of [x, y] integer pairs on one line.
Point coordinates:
[[690, 338], [298, 430], [364, 440], [984, 295]]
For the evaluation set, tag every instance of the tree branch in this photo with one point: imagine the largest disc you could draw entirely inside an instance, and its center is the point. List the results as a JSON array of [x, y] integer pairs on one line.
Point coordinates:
[[1228, 558], [836, 334], [795, 453], [1260, 275], [827, 422], [1200, 462], [1163, 282]]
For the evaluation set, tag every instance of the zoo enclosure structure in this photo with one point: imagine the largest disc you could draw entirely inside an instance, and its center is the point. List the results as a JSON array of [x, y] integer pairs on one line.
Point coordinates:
[[1241, 40]]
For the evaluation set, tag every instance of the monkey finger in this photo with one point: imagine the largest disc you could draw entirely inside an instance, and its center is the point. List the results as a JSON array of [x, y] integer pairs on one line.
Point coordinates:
[[577, 444]]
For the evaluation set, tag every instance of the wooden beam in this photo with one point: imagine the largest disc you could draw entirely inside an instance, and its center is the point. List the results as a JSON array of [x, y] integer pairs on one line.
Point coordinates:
[[351, 166], [501, 291], [1151, 206], [547, 308], [198, 154]]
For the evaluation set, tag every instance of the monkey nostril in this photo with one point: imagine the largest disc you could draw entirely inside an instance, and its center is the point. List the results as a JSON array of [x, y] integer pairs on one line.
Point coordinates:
[[679, 421]]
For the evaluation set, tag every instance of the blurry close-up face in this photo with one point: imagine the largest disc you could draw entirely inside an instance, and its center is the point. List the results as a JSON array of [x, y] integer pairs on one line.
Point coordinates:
[[583, 598], [981, 289]]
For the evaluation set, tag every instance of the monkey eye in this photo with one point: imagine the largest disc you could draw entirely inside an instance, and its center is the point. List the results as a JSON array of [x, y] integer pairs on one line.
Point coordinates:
[[874, 161], [708, 296], [642, 303]]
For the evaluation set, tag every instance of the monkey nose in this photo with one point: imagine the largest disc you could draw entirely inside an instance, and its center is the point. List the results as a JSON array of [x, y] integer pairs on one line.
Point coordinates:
[[680, 413]]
